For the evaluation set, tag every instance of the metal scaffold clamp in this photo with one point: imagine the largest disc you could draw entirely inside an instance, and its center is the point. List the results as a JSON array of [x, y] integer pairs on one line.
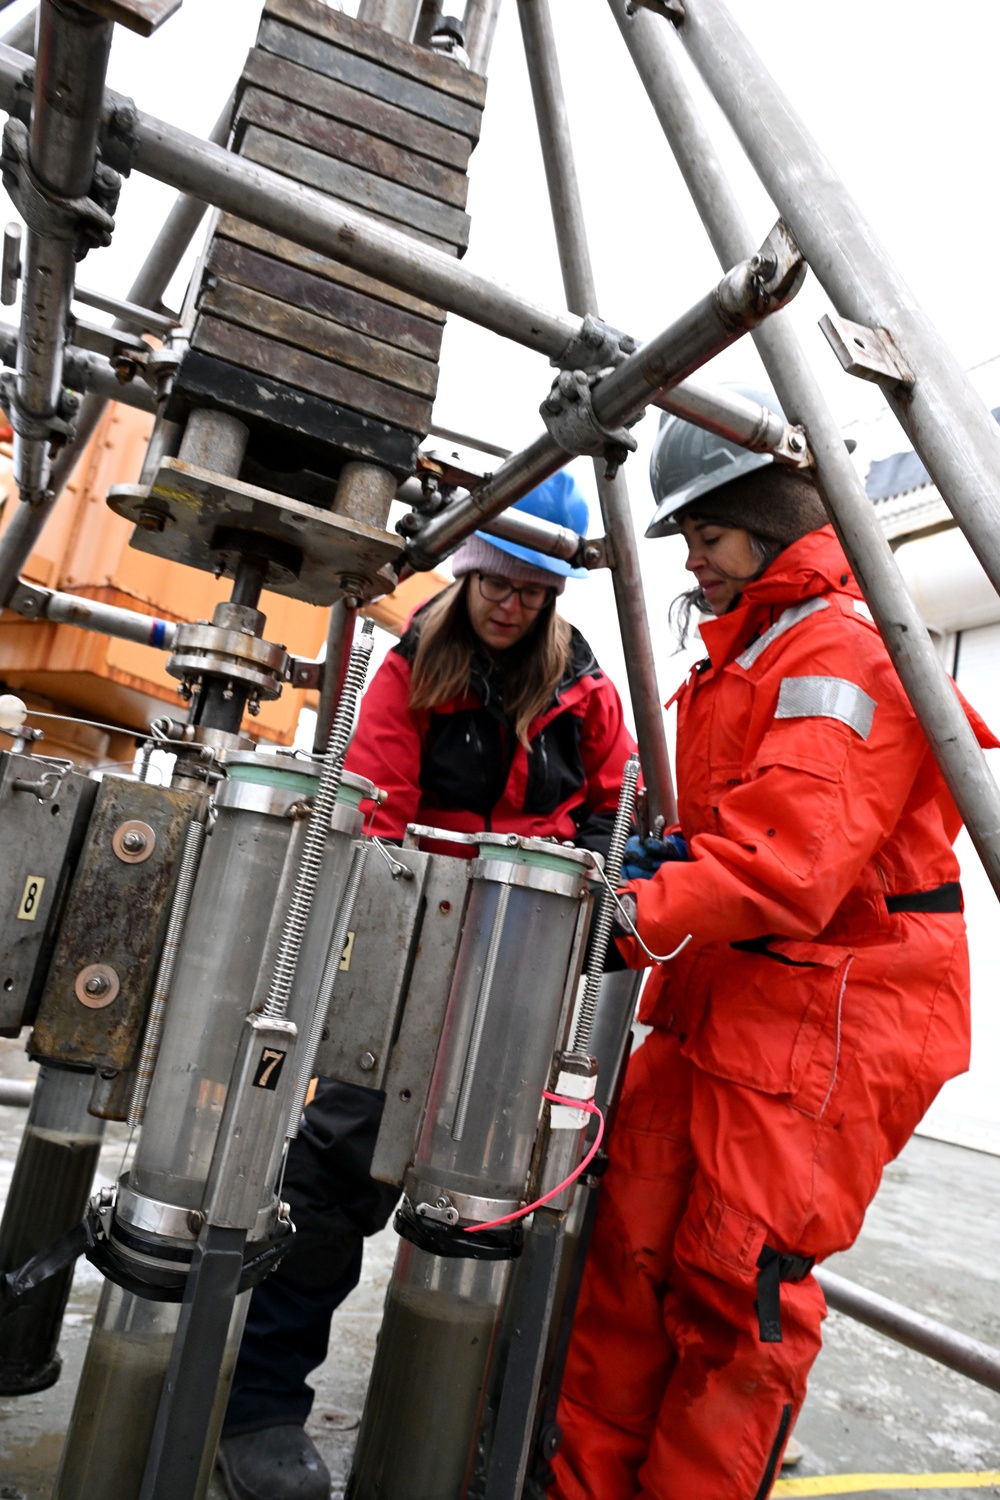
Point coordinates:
[[568, 413], [87, 221]]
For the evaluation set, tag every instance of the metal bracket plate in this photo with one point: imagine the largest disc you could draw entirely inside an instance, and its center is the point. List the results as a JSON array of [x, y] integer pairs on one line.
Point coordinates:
[[115, 917], [362, 1019], [41, 840], [178, 517], [869, 353], [409, 1074]]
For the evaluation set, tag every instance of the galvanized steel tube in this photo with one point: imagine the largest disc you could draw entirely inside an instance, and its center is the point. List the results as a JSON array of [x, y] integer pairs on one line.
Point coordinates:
[[147, 289], [73, 50], [979, 1361], [581, 297], [653, 49], [718, 320], [945, 419]]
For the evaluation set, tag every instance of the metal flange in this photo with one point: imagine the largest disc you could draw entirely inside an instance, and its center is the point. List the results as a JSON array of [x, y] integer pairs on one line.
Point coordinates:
[[203, 648]]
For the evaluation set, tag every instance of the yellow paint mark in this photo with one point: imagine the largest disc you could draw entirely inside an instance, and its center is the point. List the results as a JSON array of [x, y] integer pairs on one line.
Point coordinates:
[[877, 1484]]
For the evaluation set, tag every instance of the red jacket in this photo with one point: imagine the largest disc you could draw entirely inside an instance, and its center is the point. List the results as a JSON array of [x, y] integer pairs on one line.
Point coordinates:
[[459, 766], [808, 794]]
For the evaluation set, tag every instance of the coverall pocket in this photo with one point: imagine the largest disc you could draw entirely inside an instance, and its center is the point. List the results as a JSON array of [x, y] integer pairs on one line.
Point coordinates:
[[773, 1020]]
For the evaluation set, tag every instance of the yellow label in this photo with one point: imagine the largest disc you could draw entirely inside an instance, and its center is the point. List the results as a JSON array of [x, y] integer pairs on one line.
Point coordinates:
[[31, 899], [345, 961]]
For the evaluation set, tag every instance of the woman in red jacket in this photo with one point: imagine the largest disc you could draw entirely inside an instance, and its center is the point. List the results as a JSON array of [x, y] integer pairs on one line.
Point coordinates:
[[819, 1003], [491, 713]]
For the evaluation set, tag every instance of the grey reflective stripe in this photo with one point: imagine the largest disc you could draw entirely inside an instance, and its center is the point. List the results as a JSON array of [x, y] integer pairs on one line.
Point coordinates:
[[785, 621], [826, 698]]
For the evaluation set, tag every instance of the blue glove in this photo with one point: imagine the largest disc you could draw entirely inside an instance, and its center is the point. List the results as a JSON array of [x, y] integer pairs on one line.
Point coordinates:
[[643, 857]]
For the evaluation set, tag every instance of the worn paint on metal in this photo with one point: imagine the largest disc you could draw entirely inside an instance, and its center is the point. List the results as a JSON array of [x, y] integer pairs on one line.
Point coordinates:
[[310, 373], [270, 318], [328, 299], [348, 143], [327, 96]]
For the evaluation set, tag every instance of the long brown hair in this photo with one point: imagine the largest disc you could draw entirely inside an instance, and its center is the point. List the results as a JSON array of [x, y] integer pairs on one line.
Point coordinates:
[[527, 675]]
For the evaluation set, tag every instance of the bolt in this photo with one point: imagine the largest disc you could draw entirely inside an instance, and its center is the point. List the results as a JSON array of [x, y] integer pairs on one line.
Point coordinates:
[[797, 442], [194, 1220], [134, 842], [367, 1061], [97, 984], [253, 707], [151, 520], [591, 556]]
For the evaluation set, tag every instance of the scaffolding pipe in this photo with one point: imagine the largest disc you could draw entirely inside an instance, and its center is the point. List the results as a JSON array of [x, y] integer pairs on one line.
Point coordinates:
[[73, 50], [655, 53], [479, 24], [980, 1362], [148, 288], [581, 297], [36, 603], [396, 16], [86, 371], [944, 418], [738, 303]]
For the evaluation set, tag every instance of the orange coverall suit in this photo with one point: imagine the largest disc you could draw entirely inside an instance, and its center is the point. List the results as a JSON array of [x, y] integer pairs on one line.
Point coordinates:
[[798, 1039]]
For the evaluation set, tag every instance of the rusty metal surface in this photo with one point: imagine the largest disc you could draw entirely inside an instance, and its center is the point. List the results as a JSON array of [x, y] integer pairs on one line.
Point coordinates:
[[143, 16], [194, 503], [116, 915], [315, 294], [310, 373], [323, 432], [271, 318], [242, 233], [376, 195], [39, 845], [326, 96], [321, 20], [347, 143], [370, 77]]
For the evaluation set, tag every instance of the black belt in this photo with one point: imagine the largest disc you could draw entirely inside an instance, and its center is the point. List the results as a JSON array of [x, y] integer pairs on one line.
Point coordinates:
[[772, 1269], [946, 897]]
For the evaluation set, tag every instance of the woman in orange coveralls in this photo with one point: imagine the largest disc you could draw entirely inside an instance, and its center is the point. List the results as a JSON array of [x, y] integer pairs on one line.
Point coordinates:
[[797, 1040]]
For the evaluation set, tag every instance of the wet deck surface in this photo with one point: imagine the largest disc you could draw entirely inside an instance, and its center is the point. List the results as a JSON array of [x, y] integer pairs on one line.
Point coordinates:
[[932, 1240]]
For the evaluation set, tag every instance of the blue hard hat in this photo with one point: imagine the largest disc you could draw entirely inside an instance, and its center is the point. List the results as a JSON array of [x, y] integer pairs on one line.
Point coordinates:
[[558, 499]]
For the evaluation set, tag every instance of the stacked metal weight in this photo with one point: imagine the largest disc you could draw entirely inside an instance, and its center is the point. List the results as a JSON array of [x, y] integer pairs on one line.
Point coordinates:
[[323, 362]]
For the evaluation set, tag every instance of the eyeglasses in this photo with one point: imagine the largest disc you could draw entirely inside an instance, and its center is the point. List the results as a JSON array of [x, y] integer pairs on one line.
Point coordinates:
[[533, 596]]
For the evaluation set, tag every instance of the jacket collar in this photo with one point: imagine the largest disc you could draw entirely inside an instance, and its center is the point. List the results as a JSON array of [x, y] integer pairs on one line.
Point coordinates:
[[812, 566]]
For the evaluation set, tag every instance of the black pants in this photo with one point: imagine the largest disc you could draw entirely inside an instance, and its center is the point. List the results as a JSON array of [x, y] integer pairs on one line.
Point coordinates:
[[335, 1202]]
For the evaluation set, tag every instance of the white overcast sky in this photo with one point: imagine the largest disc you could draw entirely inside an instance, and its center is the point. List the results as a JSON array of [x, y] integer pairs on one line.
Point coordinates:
[[899, 93]]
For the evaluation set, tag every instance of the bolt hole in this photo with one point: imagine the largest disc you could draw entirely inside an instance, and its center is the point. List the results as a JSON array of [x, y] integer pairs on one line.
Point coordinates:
[[54, 809], [8, 984], [405, 1095], [860, 343], [444, 906]]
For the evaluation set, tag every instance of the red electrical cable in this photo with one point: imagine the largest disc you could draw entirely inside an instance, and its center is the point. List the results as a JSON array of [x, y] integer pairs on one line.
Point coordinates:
[[589, 1107]]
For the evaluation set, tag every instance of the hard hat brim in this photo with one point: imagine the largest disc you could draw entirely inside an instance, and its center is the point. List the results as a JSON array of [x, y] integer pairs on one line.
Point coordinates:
[[664, 522], [537, 559]]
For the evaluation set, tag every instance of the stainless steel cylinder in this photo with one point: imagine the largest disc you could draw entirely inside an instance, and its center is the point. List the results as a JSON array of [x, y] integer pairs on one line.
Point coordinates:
[[507, 1012], [222, 972], [48, 1194]]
